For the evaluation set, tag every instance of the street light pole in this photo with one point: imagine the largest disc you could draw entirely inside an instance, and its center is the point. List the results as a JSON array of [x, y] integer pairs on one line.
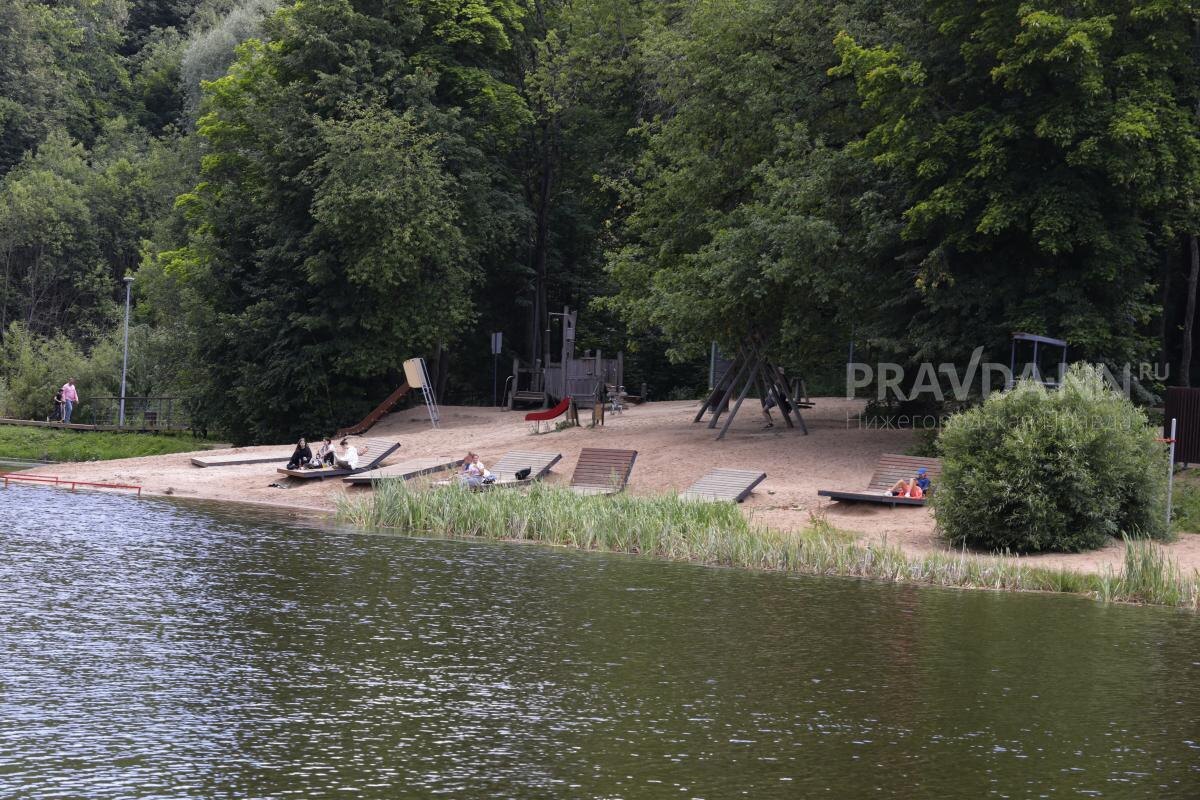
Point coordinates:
[[125, 356]]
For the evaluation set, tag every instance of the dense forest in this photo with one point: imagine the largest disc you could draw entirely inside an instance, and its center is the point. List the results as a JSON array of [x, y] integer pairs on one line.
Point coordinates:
[[308, 193]]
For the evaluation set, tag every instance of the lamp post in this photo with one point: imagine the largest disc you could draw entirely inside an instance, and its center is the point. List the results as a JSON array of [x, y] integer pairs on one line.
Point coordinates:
[[125, 356]]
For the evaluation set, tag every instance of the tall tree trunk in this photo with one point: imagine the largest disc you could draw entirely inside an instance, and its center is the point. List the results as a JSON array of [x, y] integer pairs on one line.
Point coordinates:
[[541, 241], [1189, 316]]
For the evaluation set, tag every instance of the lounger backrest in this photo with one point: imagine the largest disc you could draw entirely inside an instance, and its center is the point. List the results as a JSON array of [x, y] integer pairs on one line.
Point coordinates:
[[377, 451], [600, 468], [725, 484], [538, 462], [893, 467]]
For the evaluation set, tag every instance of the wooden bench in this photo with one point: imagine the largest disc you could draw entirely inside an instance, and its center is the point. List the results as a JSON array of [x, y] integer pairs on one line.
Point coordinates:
[[892, 467], [733, 485], [602, 471], [376, 449]]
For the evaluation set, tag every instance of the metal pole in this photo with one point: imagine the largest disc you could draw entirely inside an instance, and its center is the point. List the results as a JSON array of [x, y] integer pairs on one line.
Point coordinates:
[[494, 373], [125, 355], [1171, 474]]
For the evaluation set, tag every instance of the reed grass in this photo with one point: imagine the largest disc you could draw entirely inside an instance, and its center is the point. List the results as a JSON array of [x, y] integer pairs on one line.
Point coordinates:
[[718, 534]]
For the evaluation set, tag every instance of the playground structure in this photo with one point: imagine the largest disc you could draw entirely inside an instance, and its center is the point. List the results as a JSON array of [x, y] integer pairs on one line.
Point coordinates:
[[377, 414], [580, 378], [416, 377], [538, 417], [1034, 362], [750, 368]]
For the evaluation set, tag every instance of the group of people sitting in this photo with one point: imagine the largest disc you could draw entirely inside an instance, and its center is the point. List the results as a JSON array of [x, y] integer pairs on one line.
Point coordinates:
[[474, 474], [344, 456]]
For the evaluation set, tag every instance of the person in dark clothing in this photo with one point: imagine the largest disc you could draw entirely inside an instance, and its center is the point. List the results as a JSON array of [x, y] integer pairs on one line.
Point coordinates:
[[300, 457], [57, 415]]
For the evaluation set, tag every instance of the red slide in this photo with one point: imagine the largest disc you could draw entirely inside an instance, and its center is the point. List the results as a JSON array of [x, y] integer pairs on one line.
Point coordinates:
[[550, 413]]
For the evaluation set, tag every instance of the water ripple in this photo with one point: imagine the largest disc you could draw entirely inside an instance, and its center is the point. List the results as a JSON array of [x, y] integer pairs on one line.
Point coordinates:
[[158, 649]]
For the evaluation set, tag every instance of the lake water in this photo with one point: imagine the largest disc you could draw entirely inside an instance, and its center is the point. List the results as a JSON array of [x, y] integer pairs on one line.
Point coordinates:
[[157, 649]]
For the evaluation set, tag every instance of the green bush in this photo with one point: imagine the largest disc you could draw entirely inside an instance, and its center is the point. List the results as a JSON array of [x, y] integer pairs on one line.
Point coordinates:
[[1032, 470]]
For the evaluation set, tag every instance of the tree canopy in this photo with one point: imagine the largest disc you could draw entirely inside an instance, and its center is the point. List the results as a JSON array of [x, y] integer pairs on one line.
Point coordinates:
[[309, 193]]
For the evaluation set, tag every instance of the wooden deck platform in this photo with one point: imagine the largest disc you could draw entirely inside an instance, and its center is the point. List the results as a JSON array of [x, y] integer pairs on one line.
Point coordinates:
[[538, 462], [892, 467], [237, 459], [405, 470], [379, 451], [733, 485]]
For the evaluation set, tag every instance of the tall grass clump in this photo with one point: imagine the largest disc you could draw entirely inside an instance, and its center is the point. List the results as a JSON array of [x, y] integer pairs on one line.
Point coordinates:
[[1149, 576], [667, 526], [718, 534], [1032, 470]]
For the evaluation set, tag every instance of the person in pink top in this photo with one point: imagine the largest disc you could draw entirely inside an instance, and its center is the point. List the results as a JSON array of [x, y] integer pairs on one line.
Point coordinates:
[[70, 398]]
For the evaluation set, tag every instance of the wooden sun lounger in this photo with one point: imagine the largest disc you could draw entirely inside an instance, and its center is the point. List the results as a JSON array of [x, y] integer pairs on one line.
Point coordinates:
[[405, 470], [602, 471], [538, 462], [891, 468], [237, 459], [733, 485], [505, 470], [377, 450]]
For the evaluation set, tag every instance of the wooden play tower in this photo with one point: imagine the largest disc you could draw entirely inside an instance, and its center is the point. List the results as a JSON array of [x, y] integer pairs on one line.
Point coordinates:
[[581, 378]]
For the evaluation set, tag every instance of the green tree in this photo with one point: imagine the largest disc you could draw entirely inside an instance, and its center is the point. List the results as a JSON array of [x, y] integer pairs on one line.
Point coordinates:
[[745, 215], [1045, 147], [352, 191]]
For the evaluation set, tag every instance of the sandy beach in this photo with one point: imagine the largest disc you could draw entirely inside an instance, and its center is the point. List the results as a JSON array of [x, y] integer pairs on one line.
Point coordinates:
[[672, 453]]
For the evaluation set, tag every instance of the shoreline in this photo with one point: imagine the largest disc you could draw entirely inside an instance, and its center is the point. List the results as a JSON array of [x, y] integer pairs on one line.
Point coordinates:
[[839, 554], [672, 454], [717, 535]]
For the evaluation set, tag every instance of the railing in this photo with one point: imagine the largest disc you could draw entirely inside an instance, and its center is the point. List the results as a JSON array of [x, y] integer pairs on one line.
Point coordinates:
[[50, 480], [141, 413]]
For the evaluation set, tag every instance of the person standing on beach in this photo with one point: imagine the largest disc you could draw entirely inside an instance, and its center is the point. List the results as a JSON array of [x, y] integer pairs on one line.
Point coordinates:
[[70, 398]]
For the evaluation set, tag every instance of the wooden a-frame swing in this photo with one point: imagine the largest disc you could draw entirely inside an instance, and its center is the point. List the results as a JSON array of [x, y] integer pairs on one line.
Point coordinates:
[[750, 368]]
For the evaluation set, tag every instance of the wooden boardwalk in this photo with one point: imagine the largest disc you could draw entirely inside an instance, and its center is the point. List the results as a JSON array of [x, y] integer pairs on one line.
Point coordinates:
[[77, 426], [602, 471], [405, 470], [733, 485]]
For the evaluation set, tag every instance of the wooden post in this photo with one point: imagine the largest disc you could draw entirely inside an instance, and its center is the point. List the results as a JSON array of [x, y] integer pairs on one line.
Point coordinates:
[[717, 390], [738, 405], [795, 399], [773, 388], [712, 423]]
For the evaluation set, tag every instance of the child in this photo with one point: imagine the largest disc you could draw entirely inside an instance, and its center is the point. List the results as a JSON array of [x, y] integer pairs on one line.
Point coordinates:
[[56, 415]]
